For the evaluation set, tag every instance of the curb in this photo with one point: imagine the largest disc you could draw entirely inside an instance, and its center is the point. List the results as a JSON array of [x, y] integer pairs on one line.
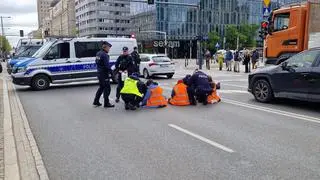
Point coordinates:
[[10, 154], [22, 159]]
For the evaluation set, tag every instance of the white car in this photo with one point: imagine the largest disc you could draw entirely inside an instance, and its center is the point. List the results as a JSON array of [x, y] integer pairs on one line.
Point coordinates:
[[156, 64]]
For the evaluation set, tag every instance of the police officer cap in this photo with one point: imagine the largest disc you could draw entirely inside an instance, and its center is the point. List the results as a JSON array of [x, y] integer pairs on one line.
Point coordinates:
[[125, 48], [106, 43]]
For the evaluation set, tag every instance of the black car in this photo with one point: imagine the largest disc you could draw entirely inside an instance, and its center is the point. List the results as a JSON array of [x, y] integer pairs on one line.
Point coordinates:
[[296, 78]]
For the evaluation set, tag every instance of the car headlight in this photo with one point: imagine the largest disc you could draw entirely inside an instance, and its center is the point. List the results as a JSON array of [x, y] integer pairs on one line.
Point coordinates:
[[19, 69]]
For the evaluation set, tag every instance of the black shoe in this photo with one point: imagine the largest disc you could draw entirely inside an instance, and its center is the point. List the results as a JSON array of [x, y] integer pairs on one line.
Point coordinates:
[[126, 106], [117, 100], [205, 103], [131, 107], [108, 105], [97, 104]]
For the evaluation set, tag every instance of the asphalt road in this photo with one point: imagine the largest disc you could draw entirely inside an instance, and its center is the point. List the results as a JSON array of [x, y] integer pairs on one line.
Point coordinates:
[[235, 139]]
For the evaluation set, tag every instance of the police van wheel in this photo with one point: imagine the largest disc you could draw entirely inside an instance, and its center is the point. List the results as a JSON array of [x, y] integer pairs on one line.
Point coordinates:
[[146, 74], [40, 82]]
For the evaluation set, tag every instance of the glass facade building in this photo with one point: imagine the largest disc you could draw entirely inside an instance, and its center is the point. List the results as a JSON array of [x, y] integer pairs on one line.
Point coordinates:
[[181, 23]]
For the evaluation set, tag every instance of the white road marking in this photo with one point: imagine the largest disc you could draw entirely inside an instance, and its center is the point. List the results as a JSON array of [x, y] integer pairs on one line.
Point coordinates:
[[233, 80], [274, 111], [232, 91], [217, 145], [233, 85]]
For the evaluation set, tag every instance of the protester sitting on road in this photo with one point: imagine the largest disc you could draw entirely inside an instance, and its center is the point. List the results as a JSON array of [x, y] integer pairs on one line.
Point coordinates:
[[154, 96], [179, 95], [214, 96], [132, 92], [199, 82]]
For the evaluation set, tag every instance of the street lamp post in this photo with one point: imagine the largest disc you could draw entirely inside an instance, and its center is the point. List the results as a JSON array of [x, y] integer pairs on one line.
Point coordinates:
[[2, 32]]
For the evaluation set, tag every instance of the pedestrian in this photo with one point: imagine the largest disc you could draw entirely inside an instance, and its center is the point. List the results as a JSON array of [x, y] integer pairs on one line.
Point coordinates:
[[199, 82], [104, 71], [220, 58], [208, 57], [229, 58], [136, 59], [154, 96], [124, 67], [246, 61], [132, 92], [179, 94], [254, 58], [237, 61]]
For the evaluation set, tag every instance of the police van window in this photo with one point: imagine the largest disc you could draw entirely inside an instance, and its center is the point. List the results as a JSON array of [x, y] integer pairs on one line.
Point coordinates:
[[281, 21], [60, 51], [87, 49]]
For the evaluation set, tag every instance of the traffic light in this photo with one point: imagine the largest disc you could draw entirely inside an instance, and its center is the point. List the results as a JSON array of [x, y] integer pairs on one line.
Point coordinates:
[[21, 33], [150, 1], [263, 29]]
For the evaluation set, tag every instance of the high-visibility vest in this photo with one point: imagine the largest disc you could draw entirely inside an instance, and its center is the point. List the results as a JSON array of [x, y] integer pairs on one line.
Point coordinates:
[[130, 87], [180, 97], [213, 97], [156, 98]]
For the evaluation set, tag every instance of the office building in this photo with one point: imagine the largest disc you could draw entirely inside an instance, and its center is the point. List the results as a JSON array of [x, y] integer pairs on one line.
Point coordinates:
[[43, 10], [103, 18]]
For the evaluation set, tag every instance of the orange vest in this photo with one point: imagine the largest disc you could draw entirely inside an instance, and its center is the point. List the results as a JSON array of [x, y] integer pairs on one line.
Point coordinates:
[[213, 97], [156, 98], [180, 97]]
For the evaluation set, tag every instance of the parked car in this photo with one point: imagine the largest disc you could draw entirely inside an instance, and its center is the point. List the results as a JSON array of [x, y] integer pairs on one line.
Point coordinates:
[[153, 64], [296, 78]]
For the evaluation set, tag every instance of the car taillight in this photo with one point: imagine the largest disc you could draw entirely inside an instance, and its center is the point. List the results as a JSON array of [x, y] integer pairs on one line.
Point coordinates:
[[152, 64]]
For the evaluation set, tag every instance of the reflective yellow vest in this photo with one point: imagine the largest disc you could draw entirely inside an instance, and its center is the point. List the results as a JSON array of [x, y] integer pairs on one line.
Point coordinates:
[[130, 87]]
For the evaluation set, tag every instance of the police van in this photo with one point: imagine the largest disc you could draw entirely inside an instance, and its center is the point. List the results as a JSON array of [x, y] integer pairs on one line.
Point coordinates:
[[66, 60]]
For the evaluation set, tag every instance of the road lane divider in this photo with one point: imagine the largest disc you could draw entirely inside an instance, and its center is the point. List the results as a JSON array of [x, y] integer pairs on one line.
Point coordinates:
[[233, 85], [203, 139], [274, 111]]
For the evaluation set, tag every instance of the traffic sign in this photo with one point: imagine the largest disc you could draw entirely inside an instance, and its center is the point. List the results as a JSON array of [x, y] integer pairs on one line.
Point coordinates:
[[266, 3], [217, 45], [266, 11]]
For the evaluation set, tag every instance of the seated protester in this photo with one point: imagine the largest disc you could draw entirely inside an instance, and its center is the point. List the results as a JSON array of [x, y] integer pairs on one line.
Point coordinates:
[[154, 96], [199, 82], [213, 97], [179, 95], [132, 92]]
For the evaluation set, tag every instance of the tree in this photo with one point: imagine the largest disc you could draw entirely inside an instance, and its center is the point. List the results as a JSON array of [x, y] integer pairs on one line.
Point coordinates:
[[5, 44], [213, 39], [231, 36], [250, 32]]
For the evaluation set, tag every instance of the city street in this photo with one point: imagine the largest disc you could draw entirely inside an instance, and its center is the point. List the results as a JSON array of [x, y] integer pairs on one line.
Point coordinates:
[[237, 138]]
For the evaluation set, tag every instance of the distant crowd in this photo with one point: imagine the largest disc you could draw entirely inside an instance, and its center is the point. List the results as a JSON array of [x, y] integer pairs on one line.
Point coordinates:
[[233, 59]]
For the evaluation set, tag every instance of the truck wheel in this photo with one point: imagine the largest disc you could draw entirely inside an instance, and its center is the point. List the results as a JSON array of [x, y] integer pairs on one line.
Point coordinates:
[[40, 82], [262, 91]]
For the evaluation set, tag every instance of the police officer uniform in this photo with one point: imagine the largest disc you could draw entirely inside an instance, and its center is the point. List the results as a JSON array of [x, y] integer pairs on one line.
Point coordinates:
[[136, 58], [103, 74], [123, 63], [199, 82]]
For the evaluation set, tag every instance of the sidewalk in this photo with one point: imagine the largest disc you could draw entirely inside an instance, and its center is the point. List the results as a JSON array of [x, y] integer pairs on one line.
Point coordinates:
[[19, 157]]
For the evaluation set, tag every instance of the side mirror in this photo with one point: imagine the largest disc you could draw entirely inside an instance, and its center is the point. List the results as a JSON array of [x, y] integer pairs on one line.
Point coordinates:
[[284, 65], [48, 57]]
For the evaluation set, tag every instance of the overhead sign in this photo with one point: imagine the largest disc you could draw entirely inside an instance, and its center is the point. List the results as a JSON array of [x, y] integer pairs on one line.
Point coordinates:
[[266, 3], [266, 11]]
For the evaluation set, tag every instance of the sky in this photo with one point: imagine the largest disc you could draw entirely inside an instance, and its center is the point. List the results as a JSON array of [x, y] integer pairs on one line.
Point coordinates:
[[23, 15]]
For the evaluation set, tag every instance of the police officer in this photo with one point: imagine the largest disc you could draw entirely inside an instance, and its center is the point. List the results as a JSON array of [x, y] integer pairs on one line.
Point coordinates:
[[200, 84], [102, 61], [136, 58], [123, 64]]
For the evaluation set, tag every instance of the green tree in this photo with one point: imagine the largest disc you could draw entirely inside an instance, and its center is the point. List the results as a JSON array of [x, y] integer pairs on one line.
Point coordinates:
[[213, 39], [250, 32], [4, 44], [231, 36]]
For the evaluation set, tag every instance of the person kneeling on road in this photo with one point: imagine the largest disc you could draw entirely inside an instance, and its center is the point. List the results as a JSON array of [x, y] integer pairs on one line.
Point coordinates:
[[214, 96], [154, 96], [199, 82], [179, 95], [132, 92]]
